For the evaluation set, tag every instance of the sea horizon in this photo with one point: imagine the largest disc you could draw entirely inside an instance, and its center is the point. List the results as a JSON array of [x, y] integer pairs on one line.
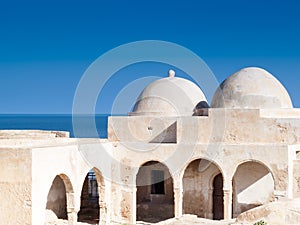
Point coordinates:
[[55, 122]]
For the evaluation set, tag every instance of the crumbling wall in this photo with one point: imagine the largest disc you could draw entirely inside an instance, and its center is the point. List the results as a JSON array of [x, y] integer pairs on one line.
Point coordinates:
[[296, 173]]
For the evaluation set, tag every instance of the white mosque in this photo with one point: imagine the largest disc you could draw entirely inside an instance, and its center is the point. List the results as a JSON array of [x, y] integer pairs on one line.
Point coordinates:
[[174, 154]]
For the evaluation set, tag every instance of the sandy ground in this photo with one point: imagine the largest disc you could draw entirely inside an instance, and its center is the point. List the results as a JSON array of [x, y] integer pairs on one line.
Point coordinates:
[[184, 220], [189, 219], [64, 222]]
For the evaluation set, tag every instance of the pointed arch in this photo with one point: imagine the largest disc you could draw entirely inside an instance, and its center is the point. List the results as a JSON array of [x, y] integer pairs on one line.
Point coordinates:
[[60, 199], [92, 199]]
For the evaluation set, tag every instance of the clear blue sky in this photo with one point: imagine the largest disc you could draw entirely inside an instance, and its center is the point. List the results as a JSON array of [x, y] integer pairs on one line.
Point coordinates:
[[45, 46]]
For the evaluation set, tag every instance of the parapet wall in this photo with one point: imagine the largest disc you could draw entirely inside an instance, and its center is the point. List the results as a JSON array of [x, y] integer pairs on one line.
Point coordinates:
[[35, 134], [230, 126]]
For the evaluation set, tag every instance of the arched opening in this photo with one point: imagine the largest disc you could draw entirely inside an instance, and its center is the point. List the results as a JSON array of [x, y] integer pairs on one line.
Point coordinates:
[[155, 194], [218, 196], [253, 185], [92, 197], [57, 200], [203, 190]]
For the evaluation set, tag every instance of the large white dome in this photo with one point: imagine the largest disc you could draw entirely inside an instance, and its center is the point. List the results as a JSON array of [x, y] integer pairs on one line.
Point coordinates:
[[252, 88], [171, 96]]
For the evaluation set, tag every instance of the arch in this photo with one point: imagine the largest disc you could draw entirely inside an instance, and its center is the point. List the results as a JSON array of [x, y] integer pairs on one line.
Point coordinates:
[[205, 158], [155, 193], [256, 161], [198, 188], [60, 199], [67, 182], [92, 199], [136, 170], [253, 185]]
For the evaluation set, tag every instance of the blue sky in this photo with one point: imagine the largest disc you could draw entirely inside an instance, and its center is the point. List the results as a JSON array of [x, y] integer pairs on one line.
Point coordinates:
[[45, 47]]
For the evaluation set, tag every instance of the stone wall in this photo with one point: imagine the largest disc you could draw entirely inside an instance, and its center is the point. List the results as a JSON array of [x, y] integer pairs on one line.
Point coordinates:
[[142, 129], [15, 186], [296, 180]]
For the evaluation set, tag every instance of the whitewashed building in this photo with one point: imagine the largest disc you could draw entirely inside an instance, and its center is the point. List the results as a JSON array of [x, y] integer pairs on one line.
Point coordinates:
[[172, 155]]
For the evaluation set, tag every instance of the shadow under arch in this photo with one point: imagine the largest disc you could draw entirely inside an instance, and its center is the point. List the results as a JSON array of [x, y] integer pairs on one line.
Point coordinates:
[[209, 161], [251, 176], [201, 192], [92, 199], [255, 161], [60, 199], [144, 163], [155, 192]]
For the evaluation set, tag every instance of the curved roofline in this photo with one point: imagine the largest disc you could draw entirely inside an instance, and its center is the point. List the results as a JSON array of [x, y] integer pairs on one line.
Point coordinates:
[[251, 88], [170, 96]]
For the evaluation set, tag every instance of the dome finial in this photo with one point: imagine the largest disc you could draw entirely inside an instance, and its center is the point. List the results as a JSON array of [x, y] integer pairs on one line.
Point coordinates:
[[171, 73]]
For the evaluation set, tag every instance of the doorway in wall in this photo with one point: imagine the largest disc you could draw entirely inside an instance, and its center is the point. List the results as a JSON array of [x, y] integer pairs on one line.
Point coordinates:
[[203, 189], [218, 195], [92, 198], [155, 195]]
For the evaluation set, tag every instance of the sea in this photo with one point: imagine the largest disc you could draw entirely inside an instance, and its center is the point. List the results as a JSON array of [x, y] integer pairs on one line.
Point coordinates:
[[57, 122]]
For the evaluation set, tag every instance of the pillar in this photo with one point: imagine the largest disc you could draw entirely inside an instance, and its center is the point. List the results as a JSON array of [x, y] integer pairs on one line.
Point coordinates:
[[72, 216], [227, 204], [102, 212], [178, 195], [210, 214], [72, 211]]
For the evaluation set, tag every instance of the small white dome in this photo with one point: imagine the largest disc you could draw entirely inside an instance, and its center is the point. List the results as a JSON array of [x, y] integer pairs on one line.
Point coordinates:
[[171, 96], [252, 88]]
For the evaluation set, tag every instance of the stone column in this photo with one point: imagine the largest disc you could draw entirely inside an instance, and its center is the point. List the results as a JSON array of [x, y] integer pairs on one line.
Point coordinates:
[[72, 216], [227, 204], [210, 214], [102, 212], [178, 197], [72, 211], [127, 214]]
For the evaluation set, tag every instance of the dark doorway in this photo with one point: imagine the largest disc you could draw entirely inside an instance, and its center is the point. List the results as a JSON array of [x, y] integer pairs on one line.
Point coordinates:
[[157, 182], [89, 207], [218, 205]]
